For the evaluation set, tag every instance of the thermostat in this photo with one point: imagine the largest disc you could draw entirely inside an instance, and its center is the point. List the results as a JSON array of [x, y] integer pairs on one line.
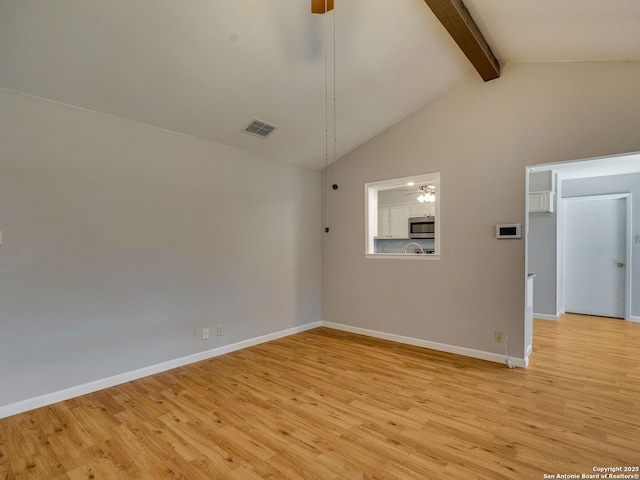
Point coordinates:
[[509, 230]]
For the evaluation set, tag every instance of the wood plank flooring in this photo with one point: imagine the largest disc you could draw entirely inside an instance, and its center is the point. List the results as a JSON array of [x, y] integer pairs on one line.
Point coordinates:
[[326, 404]]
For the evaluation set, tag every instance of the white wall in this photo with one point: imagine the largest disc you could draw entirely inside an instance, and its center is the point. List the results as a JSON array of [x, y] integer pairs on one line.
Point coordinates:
[[480, 136], [121, 241]]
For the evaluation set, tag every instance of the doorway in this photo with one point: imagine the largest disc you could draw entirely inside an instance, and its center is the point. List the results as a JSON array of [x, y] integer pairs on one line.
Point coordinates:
[[545, 231], [595, 255]]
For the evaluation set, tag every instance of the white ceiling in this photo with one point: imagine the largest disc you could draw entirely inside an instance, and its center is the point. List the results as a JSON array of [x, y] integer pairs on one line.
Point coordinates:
[[206, 68], [559, 30]]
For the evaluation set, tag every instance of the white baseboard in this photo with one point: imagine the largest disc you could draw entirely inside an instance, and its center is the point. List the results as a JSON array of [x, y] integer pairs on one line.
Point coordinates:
[[543, 316], [442, 347], [78, 390]]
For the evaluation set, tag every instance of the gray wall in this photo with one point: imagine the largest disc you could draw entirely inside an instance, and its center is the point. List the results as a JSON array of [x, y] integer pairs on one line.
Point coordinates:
[[542, 255], [120, 242], [480, 136]]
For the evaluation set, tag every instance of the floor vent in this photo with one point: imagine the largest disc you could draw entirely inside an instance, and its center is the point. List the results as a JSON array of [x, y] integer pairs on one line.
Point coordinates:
[[260, 129]]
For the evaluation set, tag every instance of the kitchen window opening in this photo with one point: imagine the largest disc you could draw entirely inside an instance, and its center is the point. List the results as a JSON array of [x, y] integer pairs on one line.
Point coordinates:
[[402, 218]]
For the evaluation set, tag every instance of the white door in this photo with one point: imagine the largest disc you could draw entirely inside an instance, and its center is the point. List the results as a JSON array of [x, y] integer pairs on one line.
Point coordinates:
[[595, 256]]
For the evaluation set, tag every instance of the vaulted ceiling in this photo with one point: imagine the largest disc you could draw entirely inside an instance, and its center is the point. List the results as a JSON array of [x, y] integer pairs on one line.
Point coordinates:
[[207, 68]]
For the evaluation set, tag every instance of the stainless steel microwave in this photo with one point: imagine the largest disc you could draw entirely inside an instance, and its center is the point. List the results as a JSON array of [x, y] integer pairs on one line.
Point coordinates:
[[422, 227]]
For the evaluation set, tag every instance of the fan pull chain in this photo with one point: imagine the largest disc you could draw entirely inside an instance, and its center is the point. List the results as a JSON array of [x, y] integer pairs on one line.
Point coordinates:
[[335, 127], [326, 122]]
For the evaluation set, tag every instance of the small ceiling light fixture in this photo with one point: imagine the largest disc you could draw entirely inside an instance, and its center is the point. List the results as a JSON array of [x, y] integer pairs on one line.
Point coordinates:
[[259, 128], [428, 194]]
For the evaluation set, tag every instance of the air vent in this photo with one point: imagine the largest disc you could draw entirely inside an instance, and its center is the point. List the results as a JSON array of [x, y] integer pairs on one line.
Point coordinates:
[[259, 129]]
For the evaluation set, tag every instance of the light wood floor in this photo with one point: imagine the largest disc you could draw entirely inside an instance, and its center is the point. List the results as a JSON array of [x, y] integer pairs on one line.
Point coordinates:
[[331, 405]]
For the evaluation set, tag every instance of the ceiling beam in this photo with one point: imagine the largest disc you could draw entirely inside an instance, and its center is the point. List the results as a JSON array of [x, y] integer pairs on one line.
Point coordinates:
[[321, 6], [457, 20]]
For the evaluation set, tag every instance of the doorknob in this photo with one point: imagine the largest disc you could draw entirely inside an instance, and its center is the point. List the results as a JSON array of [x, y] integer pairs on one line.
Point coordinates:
[[620, 264]]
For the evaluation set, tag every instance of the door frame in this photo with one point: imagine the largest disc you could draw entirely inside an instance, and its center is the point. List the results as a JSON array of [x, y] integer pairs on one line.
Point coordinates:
[[627, 238]]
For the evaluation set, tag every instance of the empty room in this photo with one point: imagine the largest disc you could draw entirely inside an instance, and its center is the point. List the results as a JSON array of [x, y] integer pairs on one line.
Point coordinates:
[[307, 240]]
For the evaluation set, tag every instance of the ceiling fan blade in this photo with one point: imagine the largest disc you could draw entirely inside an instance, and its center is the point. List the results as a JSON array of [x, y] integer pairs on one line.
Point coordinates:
[[321, 6]]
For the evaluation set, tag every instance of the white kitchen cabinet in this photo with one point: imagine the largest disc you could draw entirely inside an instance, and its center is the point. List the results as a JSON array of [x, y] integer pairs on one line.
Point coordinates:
[[393, 221], [422, 209], [398, 221], [383, 222], [541, 202]]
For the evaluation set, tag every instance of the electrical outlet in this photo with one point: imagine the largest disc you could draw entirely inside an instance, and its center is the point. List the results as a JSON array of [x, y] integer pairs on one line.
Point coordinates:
[[498, 336], [219, 330], [205, 333]]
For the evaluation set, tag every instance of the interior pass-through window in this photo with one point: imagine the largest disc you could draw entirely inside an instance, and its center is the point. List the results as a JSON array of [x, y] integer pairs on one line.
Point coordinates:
[[402, 217]]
